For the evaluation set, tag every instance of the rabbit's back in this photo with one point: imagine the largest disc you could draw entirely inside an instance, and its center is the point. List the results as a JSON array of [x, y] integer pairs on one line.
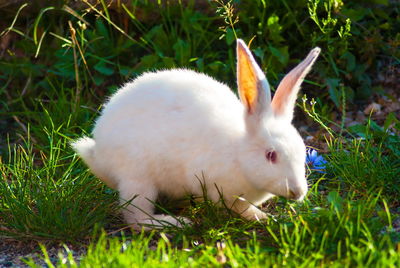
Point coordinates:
[[171, 123], [161, 100]]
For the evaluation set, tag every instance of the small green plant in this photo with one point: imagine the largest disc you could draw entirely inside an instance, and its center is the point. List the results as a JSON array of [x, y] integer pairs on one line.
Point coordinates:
[[371, 161], [49, 195], [364, 156], [340, 233]]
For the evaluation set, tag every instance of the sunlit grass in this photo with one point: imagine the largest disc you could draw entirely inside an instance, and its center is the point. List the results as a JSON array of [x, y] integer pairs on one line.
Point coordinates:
[[52, 197], [343, 234], [49, 195]]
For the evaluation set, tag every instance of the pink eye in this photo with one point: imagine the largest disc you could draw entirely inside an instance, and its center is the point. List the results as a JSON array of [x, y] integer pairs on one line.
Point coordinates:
[[271, 156]]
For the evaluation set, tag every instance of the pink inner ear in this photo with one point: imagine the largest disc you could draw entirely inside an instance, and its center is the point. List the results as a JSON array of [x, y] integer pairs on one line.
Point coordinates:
[[247, 78], [278, 102], [287, 90], [285, 96]]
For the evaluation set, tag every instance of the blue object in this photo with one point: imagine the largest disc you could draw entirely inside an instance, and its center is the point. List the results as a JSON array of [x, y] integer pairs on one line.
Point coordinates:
[[314, 161]]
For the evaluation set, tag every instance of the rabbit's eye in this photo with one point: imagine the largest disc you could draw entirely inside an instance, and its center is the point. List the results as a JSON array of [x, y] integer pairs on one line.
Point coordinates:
[[271, 156]]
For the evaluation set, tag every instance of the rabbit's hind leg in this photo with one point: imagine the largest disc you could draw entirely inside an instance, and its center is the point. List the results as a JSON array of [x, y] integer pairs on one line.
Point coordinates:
[[140, 211]]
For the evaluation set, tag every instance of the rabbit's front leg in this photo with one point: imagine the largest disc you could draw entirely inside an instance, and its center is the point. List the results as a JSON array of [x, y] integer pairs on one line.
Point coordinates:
[[253, 213], [140, 211], [248, 211]]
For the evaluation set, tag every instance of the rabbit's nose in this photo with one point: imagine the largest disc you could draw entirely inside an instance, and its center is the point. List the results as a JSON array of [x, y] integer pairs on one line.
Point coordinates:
[[297, 194]]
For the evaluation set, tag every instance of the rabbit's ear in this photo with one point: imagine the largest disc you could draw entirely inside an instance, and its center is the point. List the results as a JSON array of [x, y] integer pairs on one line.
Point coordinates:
[[253, 86], [286, 94]]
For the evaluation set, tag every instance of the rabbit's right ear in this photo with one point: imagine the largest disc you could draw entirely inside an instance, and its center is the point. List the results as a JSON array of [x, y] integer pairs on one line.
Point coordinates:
[[253, 86], [285, 96]]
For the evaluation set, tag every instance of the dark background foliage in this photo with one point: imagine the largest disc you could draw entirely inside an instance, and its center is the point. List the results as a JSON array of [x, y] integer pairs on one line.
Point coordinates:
[[359, 40]]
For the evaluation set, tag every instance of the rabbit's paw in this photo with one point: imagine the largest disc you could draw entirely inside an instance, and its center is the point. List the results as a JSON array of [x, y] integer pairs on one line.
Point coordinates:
[[162, 221], [253, 213]]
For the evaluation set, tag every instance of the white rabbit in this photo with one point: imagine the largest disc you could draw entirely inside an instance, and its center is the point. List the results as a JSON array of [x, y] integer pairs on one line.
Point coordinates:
[[162, 131]]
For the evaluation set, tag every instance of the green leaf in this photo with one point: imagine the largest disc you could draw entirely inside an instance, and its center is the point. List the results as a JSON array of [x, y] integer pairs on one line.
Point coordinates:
[[358, 129], [351, 61], [259, 52], [230, 36], [98, 80], [216, 66], [349, 94], [200, 64], [281, 54], [168, 62], [102, 29], [273, 20], [390, 119], [335, 200], [355, 14], [102, 68], [333, 84], [379, 2], [112, 89], [274, 28], [149, 61], [159, 40], [124, 70], [182, 51]]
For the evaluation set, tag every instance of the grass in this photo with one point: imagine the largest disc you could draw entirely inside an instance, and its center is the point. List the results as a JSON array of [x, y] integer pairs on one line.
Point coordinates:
[[65, 62], [51, 197], [308, 251]]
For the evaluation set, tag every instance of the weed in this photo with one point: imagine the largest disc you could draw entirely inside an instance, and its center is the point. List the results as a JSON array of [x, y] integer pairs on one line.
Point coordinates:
[[49, 195]]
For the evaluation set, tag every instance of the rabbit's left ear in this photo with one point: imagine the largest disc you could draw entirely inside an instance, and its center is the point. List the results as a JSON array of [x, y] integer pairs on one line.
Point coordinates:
[[286, 94], [253, 86]]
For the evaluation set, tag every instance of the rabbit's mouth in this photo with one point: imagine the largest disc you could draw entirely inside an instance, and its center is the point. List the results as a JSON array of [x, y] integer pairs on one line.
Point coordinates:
[[297, 194]]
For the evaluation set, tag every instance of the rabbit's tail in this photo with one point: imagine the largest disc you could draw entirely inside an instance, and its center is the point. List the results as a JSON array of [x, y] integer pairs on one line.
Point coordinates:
[[84, 147]]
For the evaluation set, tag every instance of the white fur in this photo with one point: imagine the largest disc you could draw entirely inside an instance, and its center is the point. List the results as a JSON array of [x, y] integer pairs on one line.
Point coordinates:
[[164, 130]]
